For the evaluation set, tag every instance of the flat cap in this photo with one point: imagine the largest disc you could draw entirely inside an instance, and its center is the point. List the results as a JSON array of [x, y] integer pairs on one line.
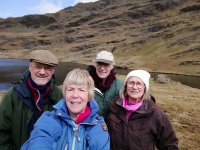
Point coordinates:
[[44, 57]]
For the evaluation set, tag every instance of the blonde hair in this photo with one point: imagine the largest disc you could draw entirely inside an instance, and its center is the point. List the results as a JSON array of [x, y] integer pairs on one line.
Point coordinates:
[[79, 77]]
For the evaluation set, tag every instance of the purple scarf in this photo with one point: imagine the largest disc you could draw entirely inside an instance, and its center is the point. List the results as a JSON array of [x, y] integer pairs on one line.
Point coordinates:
[[130, 107]]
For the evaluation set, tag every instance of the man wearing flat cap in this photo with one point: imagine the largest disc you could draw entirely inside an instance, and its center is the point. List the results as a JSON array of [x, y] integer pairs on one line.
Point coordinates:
[[107, 85], [23, 103]]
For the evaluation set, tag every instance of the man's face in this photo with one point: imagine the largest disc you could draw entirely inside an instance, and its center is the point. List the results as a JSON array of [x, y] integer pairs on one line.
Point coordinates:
[[103, 69], [41, 73]]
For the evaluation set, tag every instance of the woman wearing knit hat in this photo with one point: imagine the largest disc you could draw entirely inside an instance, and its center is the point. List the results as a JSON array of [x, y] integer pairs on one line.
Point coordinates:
[[135, 121]]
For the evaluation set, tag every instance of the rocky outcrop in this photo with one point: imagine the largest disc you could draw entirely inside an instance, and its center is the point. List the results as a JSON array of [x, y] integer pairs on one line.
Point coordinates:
[[6, 23], [194, 8], [162, 78], [36, 21]]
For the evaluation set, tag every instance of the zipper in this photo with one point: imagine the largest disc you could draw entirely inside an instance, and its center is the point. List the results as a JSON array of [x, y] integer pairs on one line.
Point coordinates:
[[38, 100], [76, 137]]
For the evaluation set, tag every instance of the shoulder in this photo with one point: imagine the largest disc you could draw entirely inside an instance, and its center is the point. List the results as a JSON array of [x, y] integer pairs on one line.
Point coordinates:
[[97, 121], [8, 93], [48, 122], [98, 136], [53, 87], [56, 93], [118, 81], [100, 127], [116, 106], [56, 89], [158, 113], [47, 117], [9, 96], [117, 84]]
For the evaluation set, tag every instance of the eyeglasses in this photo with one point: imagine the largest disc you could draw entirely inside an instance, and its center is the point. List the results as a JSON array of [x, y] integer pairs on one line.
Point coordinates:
[[132, 83], [39, 66]]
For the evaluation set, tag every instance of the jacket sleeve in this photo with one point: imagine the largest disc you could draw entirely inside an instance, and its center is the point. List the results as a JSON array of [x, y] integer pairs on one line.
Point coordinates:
[[99, 139], [5, 121], [45, 133], [167, 139]]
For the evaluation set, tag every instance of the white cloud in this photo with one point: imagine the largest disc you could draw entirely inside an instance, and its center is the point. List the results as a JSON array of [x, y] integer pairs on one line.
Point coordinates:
[[4, 15], [85, 1], [47, 7]]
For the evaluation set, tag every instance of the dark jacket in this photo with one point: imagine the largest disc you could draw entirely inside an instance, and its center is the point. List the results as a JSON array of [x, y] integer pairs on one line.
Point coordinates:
[[18, 112], [147, 128]]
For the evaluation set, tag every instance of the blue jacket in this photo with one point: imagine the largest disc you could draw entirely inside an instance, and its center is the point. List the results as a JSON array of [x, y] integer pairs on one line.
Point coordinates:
[[56, 131]]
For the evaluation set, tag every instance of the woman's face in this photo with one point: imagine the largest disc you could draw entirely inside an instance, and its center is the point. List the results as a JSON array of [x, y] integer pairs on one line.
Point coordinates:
[[76, 97], [135, 89]]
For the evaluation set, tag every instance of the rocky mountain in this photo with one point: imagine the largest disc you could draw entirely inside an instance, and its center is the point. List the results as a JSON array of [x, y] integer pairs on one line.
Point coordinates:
[[157, 35]]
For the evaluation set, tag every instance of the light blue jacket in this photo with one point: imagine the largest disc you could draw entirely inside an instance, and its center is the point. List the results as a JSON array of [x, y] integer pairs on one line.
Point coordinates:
[[56, 131]]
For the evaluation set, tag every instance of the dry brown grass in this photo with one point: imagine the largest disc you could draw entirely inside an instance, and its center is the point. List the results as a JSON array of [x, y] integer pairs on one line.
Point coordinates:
[[181, 103]]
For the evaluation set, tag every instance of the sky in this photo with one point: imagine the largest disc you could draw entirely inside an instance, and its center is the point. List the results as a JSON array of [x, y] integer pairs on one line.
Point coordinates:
[[19, 8]]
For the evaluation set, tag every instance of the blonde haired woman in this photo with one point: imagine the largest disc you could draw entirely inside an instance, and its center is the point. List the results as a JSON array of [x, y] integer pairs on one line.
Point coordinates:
[[74, 124]]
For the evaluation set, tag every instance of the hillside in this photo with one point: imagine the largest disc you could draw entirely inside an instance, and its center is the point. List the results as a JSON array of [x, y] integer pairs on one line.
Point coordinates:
[[157, 35]]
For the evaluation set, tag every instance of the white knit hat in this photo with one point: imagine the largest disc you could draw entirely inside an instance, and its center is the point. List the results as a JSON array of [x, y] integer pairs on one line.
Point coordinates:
[[142, 74], [104, 56]]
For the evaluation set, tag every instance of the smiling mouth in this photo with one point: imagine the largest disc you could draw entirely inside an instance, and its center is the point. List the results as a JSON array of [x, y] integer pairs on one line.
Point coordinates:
[[75, 102], [134, 91], [42, 77]]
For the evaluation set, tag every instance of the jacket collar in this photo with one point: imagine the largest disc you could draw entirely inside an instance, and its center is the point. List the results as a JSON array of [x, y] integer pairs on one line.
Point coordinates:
[[147, 106], [23, 91], [22, 86], [62, 111]]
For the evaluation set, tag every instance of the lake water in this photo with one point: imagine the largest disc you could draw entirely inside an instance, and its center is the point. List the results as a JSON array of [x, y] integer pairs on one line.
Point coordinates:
[[11, 71]]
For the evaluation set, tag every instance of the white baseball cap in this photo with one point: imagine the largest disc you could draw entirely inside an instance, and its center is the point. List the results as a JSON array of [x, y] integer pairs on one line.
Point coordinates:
[[104, 56]]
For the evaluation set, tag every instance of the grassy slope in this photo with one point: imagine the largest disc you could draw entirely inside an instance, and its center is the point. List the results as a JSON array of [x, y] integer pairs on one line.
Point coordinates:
[[132, 42], [180, 103]]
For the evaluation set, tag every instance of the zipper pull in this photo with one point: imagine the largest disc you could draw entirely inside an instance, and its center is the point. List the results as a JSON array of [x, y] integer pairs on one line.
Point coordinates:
[[76, 133]]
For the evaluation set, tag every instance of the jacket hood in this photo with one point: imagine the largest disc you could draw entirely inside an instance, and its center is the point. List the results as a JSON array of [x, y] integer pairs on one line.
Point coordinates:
[[62, 110]]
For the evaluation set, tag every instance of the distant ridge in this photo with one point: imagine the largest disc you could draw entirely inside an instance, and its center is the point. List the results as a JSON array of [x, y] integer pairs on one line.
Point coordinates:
[[157, 35]]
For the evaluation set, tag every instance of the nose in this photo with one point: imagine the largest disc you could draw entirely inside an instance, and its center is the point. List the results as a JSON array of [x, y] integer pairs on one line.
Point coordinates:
[[75, 93], [134, 85], [42, 70], [101, 66]]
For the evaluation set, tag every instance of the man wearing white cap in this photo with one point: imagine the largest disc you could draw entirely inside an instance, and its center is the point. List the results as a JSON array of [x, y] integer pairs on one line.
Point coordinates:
[[136, 118], [107, 85], [22, 104]]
